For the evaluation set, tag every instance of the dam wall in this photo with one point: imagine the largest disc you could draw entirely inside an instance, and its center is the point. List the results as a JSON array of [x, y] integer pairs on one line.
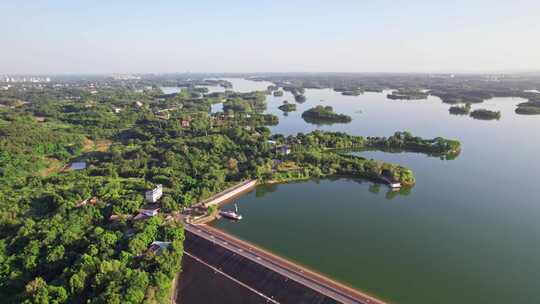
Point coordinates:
[[259, 278]]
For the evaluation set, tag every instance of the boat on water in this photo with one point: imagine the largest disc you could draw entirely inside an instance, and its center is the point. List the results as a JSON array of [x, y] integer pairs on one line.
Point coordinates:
[[230, 214]]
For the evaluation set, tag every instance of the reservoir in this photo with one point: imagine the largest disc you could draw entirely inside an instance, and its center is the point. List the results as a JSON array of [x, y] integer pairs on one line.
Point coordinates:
[[468, 232]]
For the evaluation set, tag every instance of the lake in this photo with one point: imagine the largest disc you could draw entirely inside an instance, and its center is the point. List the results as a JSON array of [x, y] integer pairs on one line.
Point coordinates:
[[468, 232]]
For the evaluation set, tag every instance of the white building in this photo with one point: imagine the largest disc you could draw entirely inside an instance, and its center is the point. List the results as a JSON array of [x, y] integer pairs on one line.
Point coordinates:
[[154, 195]]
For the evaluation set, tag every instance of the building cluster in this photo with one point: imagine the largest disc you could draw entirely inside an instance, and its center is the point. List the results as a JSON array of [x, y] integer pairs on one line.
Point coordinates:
[[150, 209], [22, 79]]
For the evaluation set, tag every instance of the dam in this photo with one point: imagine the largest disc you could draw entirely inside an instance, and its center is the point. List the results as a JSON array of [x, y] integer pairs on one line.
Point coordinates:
[[257, 276]]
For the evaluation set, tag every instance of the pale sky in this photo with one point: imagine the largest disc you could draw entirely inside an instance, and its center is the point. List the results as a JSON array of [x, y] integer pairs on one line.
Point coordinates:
[[115, 36]]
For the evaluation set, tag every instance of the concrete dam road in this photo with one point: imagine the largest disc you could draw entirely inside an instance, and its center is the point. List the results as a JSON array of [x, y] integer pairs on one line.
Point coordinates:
[[296, 284]]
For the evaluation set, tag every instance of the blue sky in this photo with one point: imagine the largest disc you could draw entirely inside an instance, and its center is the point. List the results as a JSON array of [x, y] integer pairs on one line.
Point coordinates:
[[269, 36]]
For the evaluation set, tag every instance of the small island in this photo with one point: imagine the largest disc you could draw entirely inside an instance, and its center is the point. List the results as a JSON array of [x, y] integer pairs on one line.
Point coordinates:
[[287, 107], [297, 92], [352, 93], [529, 108], [272, 88], [278, 93], [485, 114], [408, 94], [349, 91], [460, 110], [324, 114], [300, 98]]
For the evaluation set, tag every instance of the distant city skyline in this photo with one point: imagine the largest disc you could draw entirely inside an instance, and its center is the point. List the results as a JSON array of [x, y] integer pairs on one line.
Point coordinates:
[[138, 37]]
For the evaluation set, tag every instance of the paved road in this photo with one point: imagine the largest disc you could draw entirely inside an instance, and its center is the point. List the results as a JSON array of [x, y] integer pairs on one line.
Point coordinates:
[[227, 191], [317, 282]]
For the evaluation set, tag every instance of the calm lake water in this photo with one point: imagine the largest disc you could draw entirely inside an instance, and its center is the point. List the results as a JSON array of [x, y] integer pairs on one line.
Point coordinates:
[[468, 232]]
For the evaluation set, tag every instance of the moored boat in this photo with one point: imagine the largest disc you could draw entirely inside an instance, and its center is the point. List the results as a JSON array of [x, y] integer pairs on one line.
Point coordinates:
[[230, 214]]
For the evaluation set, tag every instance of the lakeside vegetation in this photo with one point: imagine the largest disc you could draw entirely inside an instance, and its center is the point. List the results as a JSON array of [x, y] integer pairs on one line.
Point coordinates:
[[405, 141], [324, 114], [319, 154]]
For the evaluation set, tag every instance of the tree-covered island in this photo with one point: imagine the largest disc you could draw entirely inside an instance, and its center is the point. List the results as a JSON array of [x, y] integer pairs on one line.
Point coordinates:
[[287, 107], [324, 114], [460, 110], [408, 94], [485, 114], [298, 93], [531, 107], [352, 93], [349, 91]]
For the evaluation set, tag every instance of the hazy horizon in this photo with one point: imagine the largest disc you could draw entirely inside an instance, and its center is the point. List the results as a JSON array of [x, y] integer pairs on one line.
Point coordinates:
[[123, 37]]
